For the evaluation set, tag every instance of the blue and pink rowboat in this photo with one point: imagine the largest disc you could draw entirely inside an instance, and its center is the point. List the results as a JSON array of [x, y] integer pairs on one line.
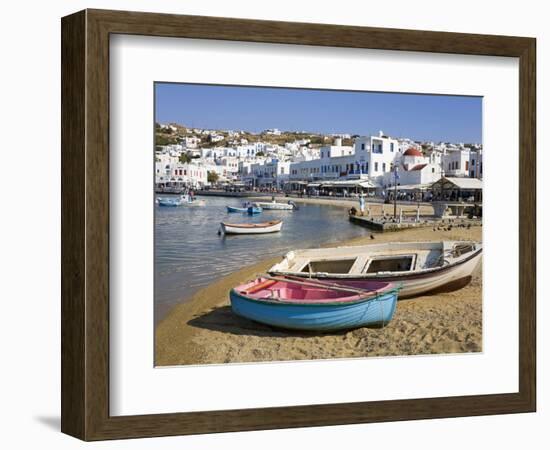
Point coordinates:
[[313, 304]]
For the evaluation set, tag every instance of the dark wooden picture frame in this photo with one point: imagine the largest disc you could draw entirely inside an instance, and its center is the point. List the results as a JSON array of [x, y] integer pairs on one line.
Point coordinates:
[[85, 224]]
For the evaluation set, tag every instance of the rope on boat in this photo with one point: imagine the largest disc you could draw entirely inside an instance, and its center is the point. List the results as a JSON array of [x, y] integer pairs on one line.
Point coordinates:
[[456, 251], [461, 248]]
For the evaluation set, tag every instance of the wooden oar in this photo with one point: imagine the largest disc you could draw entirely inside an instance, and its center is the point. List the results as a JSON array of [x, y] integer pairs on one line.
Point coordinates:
[[329, 283], [312, 284]]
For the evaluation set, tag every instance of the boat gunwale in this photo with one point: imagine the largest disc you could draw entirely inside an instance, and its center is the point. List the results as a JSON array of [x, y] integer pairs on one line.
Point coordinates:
[[382, 275], [392, 289], [252, 225]]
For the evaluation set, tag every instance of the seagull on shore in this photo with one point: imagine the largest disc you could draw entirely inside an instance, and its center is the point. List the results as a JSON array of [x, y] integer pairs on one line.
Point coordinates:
[[372, 236]]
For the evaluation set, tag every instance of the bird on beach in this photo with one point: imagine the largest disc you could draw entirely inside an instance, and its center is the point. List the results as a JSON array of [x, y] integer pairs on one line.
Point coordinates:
[[372, 236]]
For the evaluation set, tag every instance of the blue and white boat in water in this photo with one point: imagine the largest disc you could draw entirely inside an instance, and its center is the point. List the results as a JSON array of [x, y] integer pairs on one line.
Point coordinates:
[[313, 304], [236, 209], [169, 201], [247, 207], [182, 200], [253, 210]]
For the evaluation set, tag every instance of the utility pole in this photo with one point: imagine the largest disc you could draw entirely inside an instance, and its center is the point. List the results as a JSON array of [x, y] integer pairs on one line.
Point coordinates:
[[395, 178]]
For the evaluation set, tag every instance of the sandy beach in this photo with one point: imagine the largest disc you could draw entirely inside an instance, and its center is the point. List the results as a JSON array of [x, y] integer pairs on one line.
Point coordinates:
[[203, 330]]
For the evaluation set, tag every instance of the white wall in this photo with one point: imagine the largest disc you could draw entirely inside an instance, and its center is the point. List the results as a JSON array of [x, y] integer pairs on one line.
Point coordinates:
[[30, 234]]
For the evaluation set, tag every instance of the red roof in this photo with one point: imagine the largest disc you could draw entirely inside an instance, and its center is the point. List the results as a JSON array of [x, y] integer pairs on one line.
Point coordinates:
[[413, 152], [419, 167]]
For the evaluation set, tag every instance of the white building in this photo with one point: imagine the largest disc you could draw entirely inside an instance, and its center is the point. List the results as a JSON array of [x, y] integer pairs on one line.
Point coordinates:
[[190, 141], [376, 155], [414, 169], [178, 174], [463, 162], [230, 167], [476, 163], [371, 156], [456, 162], [270, 173]]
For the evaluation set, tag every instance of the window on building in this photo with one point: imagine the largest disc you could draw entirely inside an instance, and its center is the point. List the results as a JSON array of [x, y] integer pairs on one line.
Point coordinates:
[[363, 146], [391, 147], [433, 169], [383, 167], [376, 166], [466, 166]]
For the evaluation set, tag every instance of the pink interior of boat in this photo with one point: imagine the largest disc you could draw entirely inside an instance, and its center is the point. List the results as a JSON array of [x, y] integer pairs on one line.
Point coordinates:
[[293, 291]]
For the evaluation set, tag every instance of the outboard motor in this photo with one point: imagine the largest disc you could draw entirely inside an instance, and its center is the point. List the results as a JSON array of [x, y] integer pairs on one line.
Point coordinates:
[[294, 205]]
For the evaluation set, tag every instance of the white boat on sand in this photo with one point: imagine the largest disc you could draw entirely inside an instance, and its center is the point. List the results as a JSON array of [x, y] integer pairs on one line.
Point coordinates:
[[252, 228], [420, 267]]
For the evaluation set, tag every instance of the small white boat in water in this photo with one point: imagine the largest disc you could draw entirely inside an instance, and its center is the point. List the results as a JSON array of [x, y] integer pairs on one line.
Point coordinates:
[[182, 200], [275, 206], [421, 267], [252, 228]]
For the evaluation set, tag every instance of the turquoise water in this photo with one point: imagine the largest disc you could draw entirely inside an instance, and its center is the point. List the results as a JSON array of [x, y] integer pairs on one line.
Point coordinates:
[[189, 253]]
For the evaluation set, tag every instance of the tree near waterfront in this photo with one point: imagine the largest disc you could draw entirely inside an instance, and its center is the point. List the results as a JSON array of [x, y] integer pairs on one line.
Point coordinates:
[[212, 177], [185, 158]]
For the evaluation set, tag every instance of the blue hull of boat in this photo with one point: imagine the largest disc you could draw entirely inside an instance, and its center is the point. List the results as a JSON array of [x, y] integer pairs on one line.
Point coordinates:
[[377, 311], [252, 210], [233, 209], [168, 203]]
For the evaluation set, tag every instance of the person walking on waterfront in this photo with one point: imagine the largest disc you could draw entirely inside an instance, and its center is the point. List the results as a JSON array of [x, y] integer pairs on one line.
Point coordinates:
[[362, 204]]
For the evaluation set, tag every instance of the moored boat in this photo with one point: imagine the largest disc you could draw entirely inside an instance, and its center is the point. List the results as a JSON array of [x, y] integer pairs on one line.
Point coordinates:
[[314, 305], [251, 228], [235, 209], [421, 267], [182, 200], [275, 206], [169, 201], [253, 210]]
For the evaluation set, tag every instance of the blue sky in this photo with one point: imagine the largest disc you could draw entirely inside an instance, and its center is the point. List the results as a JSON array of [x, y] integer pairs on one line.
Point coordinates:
[[419, 117]]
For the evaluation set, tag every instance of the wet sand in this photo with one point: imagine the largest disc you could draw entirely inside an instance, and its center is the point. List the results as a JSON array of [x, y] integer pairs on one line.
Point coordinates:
[[205, 331]]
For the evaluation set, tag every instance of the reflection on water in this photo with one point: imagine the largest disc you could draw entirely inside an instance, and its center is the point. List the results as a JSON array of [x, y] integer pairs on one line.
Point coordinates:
[[189, 253]]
